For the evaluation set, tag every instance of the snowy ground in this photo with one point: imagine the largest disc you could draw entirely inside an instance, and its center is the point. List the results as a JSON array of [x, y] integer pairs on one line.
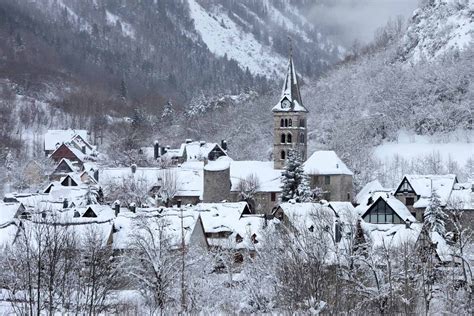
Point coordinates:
[[458, 146]]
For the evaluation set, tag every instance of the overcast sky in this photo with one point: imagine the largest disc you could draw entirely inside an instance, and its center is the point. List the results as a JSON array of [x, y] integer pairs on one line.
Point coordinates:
[[358, 19]]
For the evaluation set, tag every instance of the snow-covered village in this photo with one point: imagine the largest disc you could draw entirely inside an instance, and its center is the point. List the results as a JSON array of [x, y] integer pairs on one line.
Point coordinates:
[[236, 157]]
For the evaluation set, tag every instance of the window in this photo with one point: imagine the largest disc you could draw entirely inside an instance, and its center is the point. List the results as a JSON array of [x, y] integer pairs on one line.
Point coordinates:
[[409, 201], [282, 123], [301, 138], [283, 155], [288, 138], [290, 122], [273, 197], [327, 180], [381, 213], [286, 122], [283, 138], [302, 123]]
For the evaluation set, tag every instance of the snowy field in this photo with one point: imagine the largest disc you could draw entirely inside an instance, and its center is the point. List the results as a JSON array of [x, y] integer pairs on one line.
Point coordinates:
[[457, 146], [439, 154]]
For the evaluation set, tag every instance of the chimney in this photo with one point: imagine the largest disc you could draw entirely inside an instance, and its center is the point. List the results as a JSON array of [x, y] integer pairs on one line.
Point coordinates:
[[83, 149], [178, 203], [134, 168], [224, 144], [65, 203], [133, 207], [370, 201], [188, 141], [407, 223], [156, 150], [162, 151], [117, 207]]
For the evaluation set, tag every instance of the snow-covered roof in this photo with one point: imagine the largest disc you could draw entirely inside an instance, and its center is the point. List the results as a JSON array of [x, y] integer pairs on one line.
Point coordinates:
[[128, 224], [8, 212], [424, 185], [367, 190], [344, 210], [218, 165], [290, 92], [7, 234], [104, 213], [325, 162], [199, 150], [229, 218], [391, 235], [305, 214], [189, 177], [462, 197], [269, 178], [218, 217], [54, 137]]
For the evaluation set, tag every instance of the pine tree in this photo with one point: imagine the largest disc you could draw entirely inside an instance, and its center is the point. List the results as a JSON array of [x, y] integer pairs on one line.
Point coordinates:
[[304, 192], [168, 111], [434, 216], [295, 182]]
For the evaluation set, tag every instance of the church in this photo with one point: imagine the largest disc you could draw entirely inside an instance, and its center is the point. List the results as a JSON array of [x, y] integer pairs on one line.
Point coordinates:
[[217, 177], [224, 181]]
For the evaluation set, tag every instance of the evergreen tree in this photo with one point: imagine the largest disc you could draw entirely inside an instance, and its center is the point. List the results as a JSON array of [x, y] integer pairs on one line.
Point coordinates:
[[295, 182], [168, 111], [434, 215]]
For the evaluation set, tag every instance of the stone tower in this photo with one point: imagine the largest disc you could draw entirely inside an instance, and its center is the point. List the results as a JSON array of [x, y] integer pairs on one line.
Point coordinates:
[[289, 121]]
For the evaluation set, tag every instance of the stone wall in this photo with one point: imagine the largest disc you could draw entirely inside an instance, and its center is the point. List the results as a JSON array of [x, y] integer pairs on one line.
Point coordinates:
[[340, 187], [295, 130], [216, 185]]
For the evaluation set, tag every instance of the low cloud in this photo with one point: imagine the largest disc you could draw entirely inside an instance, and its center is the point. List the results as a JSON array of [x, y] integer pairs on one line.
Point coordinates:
[[350, 20]]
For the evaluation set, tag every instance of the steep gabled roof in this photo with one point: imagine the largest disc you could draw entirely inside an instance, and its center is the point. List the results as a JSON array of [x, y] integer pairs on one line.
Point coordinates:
[[54, 137], [424, 185], [291, 92]]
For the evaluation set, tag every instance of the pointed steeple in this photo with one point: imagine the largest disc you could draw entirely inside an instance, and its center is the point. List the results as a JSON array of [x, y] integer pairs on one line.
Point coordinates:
[[290, 91]]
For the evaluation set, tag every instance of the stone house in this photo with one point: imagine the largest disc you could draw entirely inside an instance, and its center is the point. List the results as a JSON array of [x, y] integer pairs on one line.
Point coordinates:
[[328, 172]]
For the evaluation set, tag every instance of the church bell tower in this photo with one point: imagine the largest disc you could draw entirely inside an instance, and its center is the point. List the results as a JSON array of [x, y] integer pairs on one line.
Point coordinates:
[[289, 120]]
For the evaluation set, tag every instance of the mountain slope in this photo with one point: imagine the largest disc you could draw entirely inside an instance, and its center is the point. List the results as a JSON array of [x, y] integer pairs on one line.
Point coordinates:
[[439, 27]]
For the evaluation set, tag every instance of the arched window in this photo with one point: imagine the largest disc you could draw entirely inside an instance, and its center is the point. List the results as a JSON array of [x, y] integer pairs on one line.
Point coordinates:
[[290, 122], [288, 138], [286, 122], [283, 155], [301, 138], [283, 138], [302, 122], [282, 123]]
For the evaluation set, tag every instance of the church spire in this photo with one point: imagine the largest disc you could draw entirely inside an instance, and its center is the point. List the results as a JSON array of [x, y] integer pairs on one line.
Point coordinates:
[[290, 90]]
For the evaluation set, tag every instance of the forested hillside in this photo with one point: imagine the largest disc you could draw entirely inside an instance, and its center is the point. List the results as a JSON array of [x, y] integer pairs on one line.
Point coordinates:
[[211, 70]]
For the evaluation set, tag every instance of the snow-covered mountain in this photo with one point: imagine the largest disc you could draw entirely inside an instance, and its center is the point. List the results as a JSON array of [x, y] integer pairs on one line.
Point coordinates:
[[438, 27]]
